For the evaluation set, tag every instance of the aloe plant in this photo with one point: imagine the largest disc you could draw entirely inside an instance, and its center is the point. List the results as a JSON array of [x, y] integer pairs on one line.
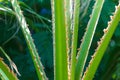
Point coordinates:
[[68, 64]]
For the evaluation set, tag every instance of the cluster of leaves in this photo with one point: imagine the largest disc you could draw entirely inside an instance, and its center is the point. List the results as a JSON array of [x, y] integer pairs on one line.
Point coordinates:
[[40, 27], [106, 70]]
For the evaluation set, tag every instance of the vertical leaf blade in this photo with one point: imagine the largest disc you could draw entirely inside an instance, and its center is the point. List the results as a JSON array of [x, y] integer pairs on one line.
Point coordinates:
[[59, 33], [75, 23]]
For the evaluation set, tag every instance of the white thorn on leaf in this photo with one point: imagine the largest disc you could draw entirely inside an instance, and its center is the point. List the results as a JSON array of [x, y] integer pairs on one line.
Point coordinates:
[[115, 7], [78, 49], [111, 17], [14, 67], [99, 42], [109, 23], [105, 30]]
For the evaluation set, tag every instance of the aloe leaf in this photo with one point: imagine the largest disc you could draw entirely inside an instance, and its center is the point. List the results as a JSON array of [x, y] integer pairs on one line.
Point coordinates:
[[6, 9], [87, 39], [75, 23], [5, 72], [34, 54], [102, 45], [68, 32], [3, 75], [59, 38], [12, 64]]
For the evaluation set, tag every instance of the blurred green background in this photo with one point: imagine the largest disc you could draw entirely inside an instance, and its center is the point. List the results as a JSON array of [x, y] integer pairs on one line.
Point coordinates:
[[38, 16]]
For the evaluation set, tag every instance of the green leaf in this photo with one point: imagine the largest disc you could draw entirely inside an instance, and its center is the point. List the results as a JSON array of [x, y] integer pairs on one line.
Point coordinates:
[[87, 39], [6, 73], [102, 45], [59, 38], [33, 51]]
